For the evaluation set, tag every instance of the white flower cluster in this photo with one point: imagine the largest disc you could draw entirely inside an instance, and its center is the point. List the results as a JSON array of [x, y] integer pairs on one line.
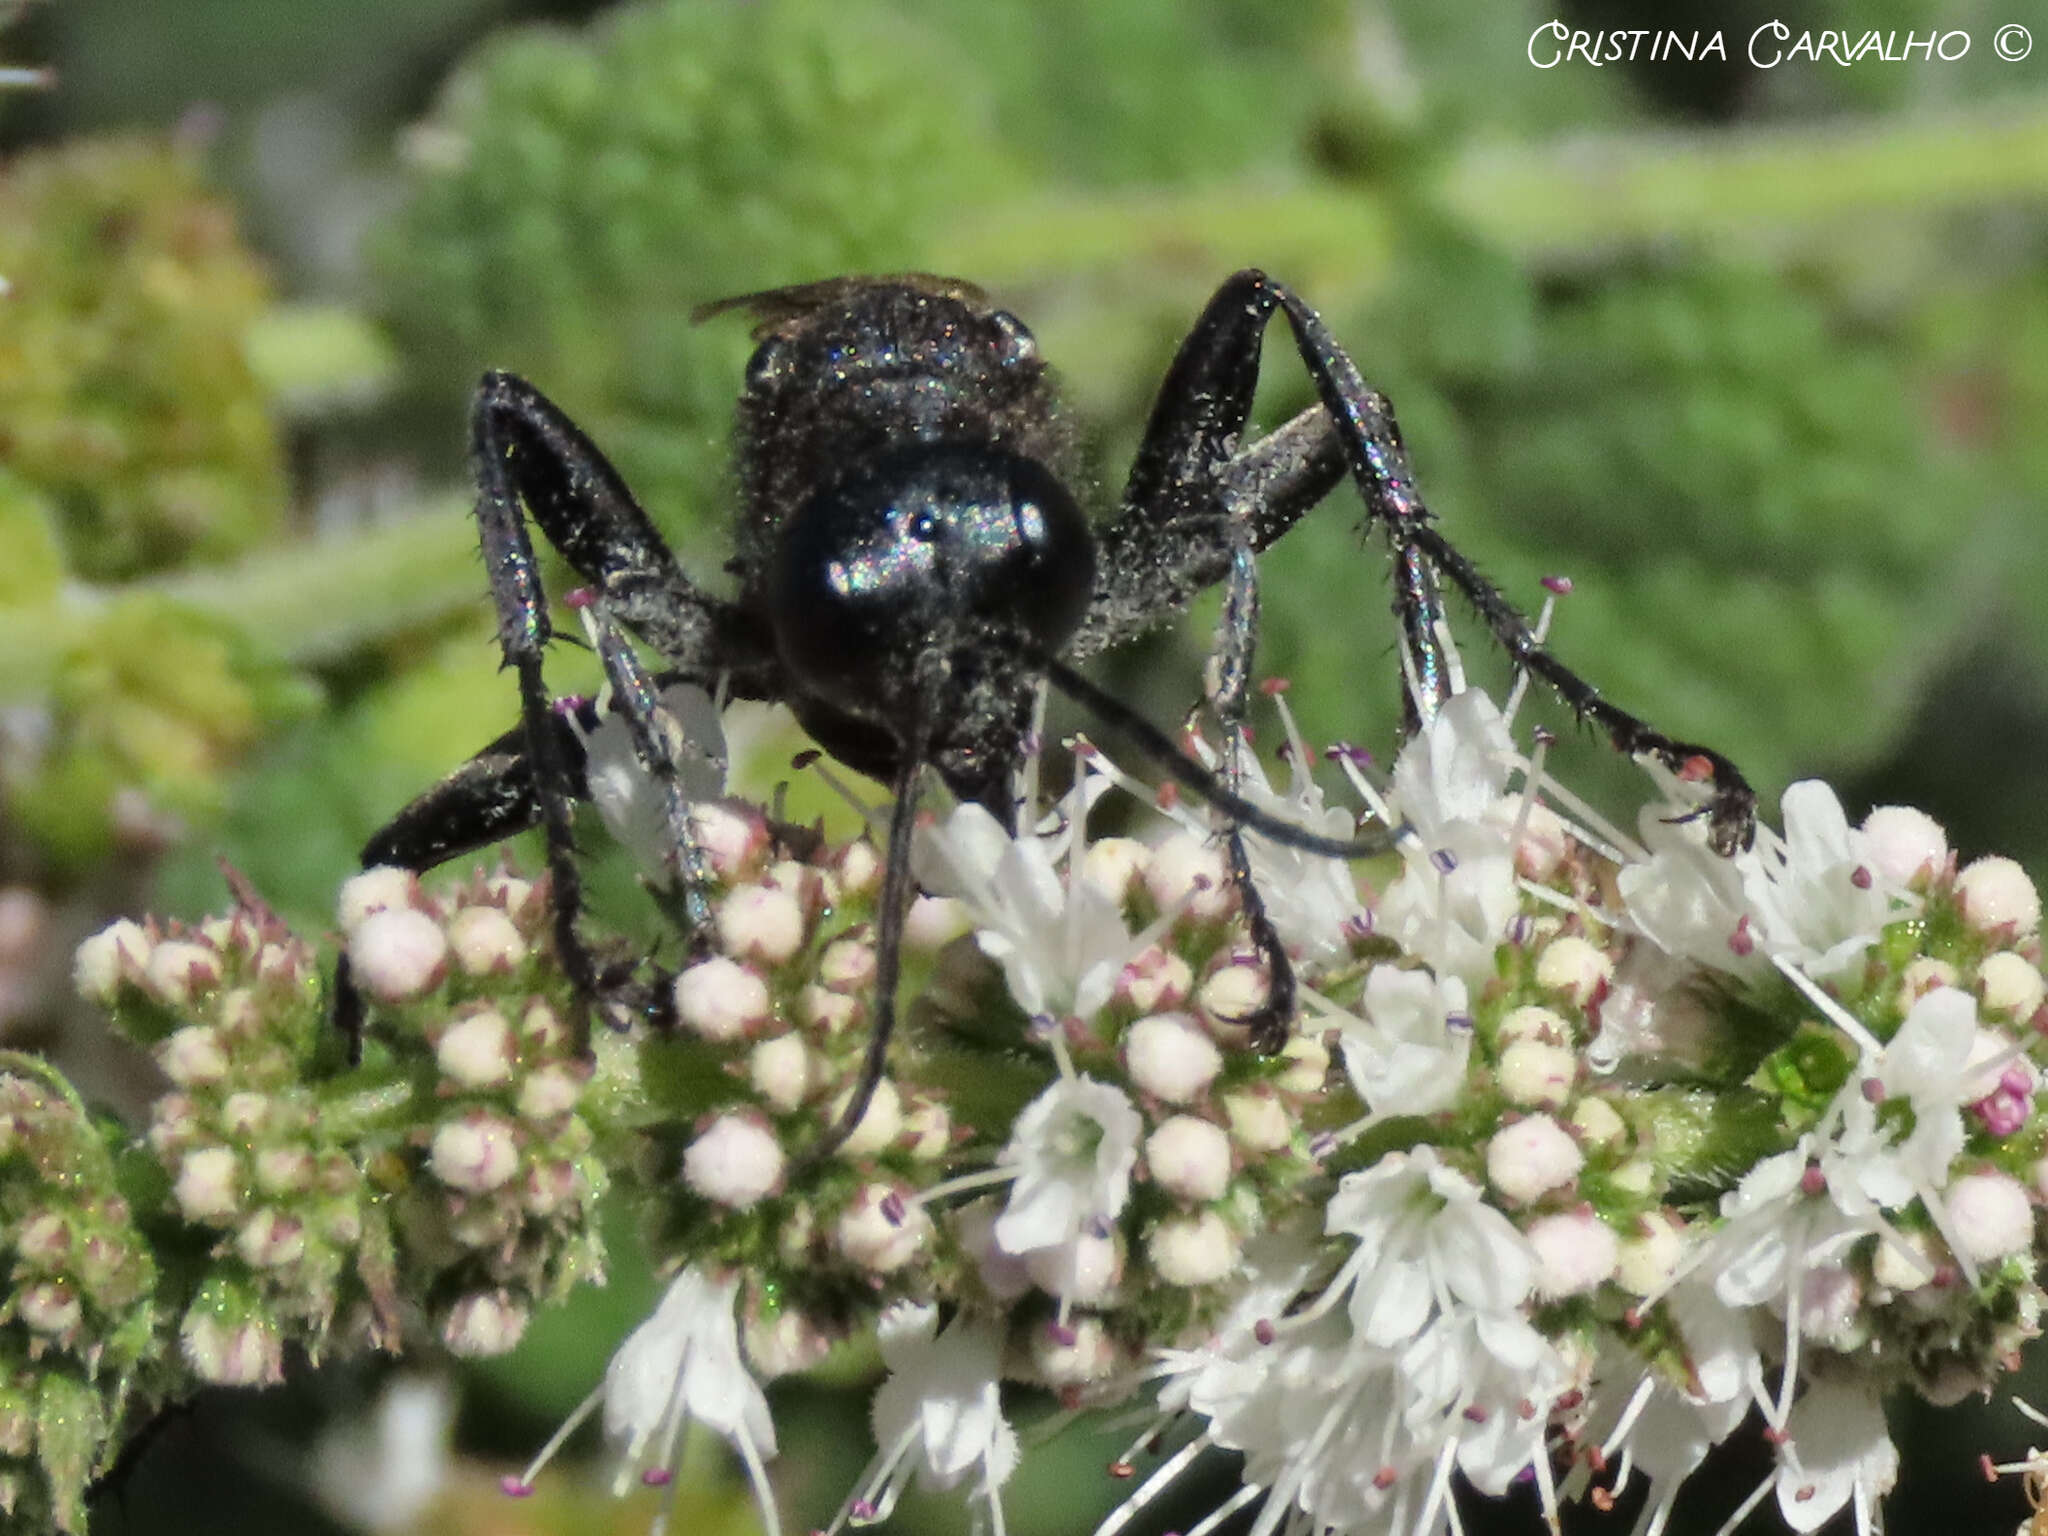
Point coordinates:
[[1629, 1140], [1584, 1146]]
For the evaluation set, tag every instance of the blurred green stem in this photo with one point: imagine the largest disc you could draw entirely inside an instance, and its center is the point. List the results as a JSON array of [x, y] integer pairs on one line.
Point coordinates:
[[304, 602], [1553, 204]]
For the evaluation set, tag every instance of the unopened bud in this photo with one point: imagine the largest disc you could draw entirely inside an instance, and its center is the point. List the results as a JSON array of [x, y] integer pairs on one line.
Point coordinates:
[[383, 889], [486, 941], [1115, 864], [192, 1057], [231, 1346], [2010, 984], [179, 970], [1996, 896], [209, 1184], [1576, 1252], [477, 1051], [1259, 1122], [867, 1235], [1189, 1158], [734, 1162], [761, 922], [1574, 967], [50, 1307], [549, 1092], [1533, 1073], [1085, 1270], [1531, 1157], [720, 999], [1200, 1249], [483, 1324], [271, 1240], [1171, 1057], [1905, 845], [119, 950], [398, 954], [475, 1154], [880, 1124], [1187, 872]]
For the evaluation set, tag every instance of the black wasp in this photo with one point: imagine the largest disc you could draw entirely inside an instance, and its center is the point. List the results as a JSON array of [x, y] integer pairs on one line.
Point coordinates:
[[911, 566]]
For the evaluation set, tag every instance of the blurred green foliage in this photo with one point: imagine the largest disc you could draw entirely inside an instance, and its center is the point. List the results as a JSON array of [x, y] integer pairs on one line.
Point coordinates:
[[134, 437], [125, 395], [154, 698]]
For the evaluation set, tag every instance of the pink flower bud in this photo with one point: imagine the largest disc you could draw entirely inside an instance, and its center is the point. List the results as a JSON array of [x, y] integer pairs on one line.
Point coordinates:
[[761, 922], [477, 1051], [1171, 1057], [720, 999], [734, 1162], [485, 940], [475, 1154], [483, 1324], [1532, 1157], [1996, 896], [1190, 1158], [398, 954], [178, 971]]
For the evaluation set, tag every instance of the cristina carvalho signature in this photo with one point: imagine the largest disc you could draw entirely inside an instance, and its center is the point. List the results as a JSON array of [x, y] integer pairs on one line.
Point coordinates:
[[1771, 44]]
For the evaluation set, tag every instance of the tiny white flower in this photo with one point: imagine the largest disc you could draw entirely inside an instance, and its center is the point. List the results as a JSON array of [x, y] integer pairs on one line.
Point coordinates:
[[381, 1471], [1648, 1425], [1061, 942], [1683, 897], [1424, 1233], [682, 1365], [1311, 899], [1407, 1055], [1836, 1454], [1452, 905], [1455, 769], [1932, 1062], [939, 1416], [1073, 1148], [1818, 896]]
